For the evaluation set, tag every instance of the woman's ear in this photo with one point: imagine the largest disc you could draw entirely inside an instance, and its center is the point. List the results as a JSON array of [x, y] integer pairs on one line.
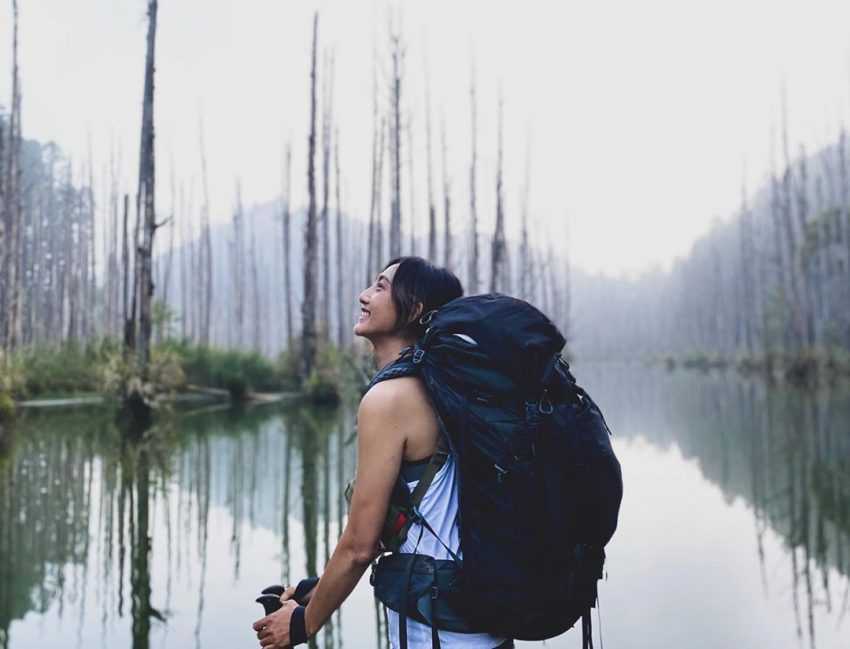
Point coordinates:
[[418, 308]]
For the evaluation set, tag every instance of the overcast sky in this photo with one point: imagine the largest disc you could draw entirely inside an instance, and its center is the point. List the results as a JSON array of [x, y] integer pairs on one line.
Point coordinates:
[[639, 115]]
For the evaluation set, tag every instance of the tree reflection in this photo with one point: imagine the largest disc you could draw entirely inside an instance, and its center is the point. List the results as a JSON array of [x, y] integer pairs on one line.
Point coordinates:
[[783, 450]]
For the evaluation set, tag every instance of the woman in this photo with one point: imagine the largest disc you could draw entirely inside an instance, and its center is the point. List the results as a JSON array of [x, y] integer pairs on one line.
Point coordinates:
[[396, 429]]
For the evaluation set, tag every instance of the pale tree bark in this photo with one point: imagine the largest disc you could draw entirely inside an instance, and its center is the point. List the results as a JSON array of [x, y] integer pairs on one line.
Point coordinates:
[[432, 208], [13, 211], [397, 54], [340, 250], [373, 196], [308, 306], [474, 280], [411, 184], [523, 246], [255, 292], [327, 118], [146, 199], [206, 275], [287, 263], [237, 268], [497, 258], [379, 200], [447, 201]]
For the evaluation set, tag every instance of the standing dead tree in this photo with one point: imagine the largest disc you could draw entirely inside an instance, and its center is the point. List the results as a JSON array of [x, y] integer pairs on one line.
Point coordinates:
[[145, 199], [447, 201], [287, 263], [205, 253], [432, 208], [473, 284], [340, 250], [523, 270], [237, 268], [308, 306], [327, 118], [397, 55], [499, 248], [12, 206]]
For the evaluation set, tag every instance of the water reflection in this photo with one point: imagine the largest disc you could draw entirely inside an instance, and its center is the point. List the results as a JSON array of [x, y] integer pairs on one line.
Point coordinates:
[[164, 537], [783, 451]]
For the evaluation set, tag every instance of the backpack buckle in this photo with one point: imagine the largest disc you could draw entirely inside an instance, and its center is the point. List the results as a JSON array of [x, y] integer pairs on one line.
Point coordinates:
[[425, 319], [418, 355]]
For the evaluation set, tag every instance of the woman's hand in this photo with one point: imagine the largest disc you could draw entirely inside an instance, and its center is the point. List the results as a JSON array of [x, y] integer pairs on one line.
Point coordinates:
[[273, 630], [289, 593]]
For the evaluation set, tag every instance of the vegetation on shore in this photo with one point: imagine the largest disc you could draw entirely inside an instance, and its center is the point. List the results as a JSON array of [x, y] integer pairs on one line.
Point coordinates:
[[807, 367], [101, 367]]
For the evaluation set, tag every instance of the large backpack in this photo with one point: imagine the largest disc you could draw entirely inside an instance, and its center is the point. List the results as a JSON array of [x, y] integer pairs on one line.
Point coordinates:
[[540, 486]]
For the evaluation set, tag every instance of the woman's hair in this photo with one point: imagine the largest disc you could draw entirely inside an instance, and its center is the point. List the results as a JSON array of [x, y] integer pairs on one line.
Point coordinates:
[[417, 280]]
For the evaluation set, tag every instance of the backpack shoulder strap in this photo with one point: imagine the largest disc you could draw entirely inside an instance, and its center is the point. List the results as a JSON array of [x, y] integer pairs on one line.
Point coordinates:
[[438, 459]]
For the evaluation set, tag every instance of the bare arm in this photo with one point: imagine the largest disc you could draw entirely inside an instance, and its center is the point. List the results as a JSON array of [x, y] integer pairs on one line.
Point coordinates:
[[380, 448]]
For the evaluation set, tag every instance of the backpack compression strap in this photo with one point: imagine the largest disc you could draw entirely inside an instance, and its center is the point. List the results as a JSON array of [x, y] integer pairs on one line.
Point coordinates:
[[438, 459]]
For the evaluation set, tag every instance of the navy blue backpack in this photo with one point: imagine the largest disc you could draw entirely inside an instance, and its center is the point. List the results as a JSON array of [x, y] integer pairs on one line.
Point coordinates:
[[540, 485]]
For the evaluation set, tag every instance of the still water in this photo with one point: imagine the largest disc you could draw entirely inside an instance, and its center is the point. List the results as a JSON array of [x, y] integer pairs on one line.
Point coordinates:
[[735, 527]]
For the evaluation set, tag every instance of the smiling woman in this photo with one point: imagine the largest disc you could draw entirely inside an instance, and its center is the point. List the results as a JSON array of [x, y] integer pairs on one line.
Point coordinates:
[[398, 434]]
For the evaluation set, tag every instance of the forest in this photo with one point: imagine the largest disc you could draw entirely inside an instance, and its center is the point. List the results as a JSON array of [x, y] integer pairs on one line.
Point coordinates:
[[118, 290]]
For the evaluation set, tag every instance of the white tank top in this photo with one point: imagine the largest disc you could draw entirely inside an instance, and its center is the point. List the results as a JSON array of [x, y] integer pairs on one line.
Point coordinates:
[[439, 508]]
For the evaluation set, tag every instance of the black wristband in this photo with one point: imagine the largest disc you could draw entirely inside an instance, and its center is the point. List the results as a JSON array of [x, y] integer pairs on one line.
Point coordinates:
[[297, 627]]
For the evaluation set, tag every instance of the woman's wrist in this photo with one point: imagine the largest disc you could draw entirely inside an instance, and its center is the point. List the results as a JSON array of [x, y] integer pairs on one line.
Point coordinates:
[[309, 624]]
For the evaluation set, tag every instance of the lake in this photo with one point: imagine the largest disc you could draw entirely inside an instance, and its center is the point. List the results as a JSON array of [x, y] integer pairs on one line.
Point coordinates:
[[734, 530]]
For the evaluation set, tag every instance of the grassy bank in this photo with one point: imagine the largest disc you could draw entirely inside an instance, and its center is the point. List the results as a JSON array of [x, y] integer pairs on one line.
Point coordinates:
[[100, 367]]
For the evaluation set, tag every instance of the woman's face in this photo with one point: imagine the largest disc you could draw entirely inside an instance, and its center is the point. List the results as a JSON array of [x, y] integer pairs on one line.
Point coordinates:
[[377, 311]]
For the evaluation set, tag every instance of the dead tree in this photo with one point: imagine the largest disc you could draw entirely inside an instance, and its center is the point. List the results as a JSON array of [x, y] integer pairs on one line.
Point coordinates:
[[237, 268], [373, 197], [447, 201], [146, 199], [397, 54], [523, 246], [206, 256], [411, 183], [379, 204], [432, 208], [498, 254], [473, 285], [327, 117], [340, 250], [746, 260], [308, 306], [13, 204], [255, 292], [287, 263]]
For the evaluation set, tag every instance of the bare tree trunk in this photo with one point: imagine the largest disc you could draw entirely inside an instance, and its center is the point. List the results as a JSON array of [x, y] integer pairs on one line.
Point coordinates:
[[340, 251], [373, 197], [287, 262], [523, 248], [411, 183], [308, 306], [125, 265], [206, 275], [146, 198], [497, 280], [432, 208], [804, 268], [169, 257], [397, 53], [13, 201], [327, 117], [237, 255], [447, 204], [379, 204], [747, 256], [255, 292], [474, 282]]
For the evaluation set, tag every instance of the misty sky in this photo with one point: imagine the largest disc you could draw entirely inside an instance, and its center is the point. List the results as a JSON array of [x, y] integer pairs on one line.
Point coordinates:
[[638, 115]]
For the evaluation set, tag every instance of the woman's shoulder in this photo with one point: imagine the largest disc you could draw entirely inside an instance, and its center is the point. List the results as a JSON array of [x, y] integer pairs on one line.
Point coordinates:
[[394, 396]]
